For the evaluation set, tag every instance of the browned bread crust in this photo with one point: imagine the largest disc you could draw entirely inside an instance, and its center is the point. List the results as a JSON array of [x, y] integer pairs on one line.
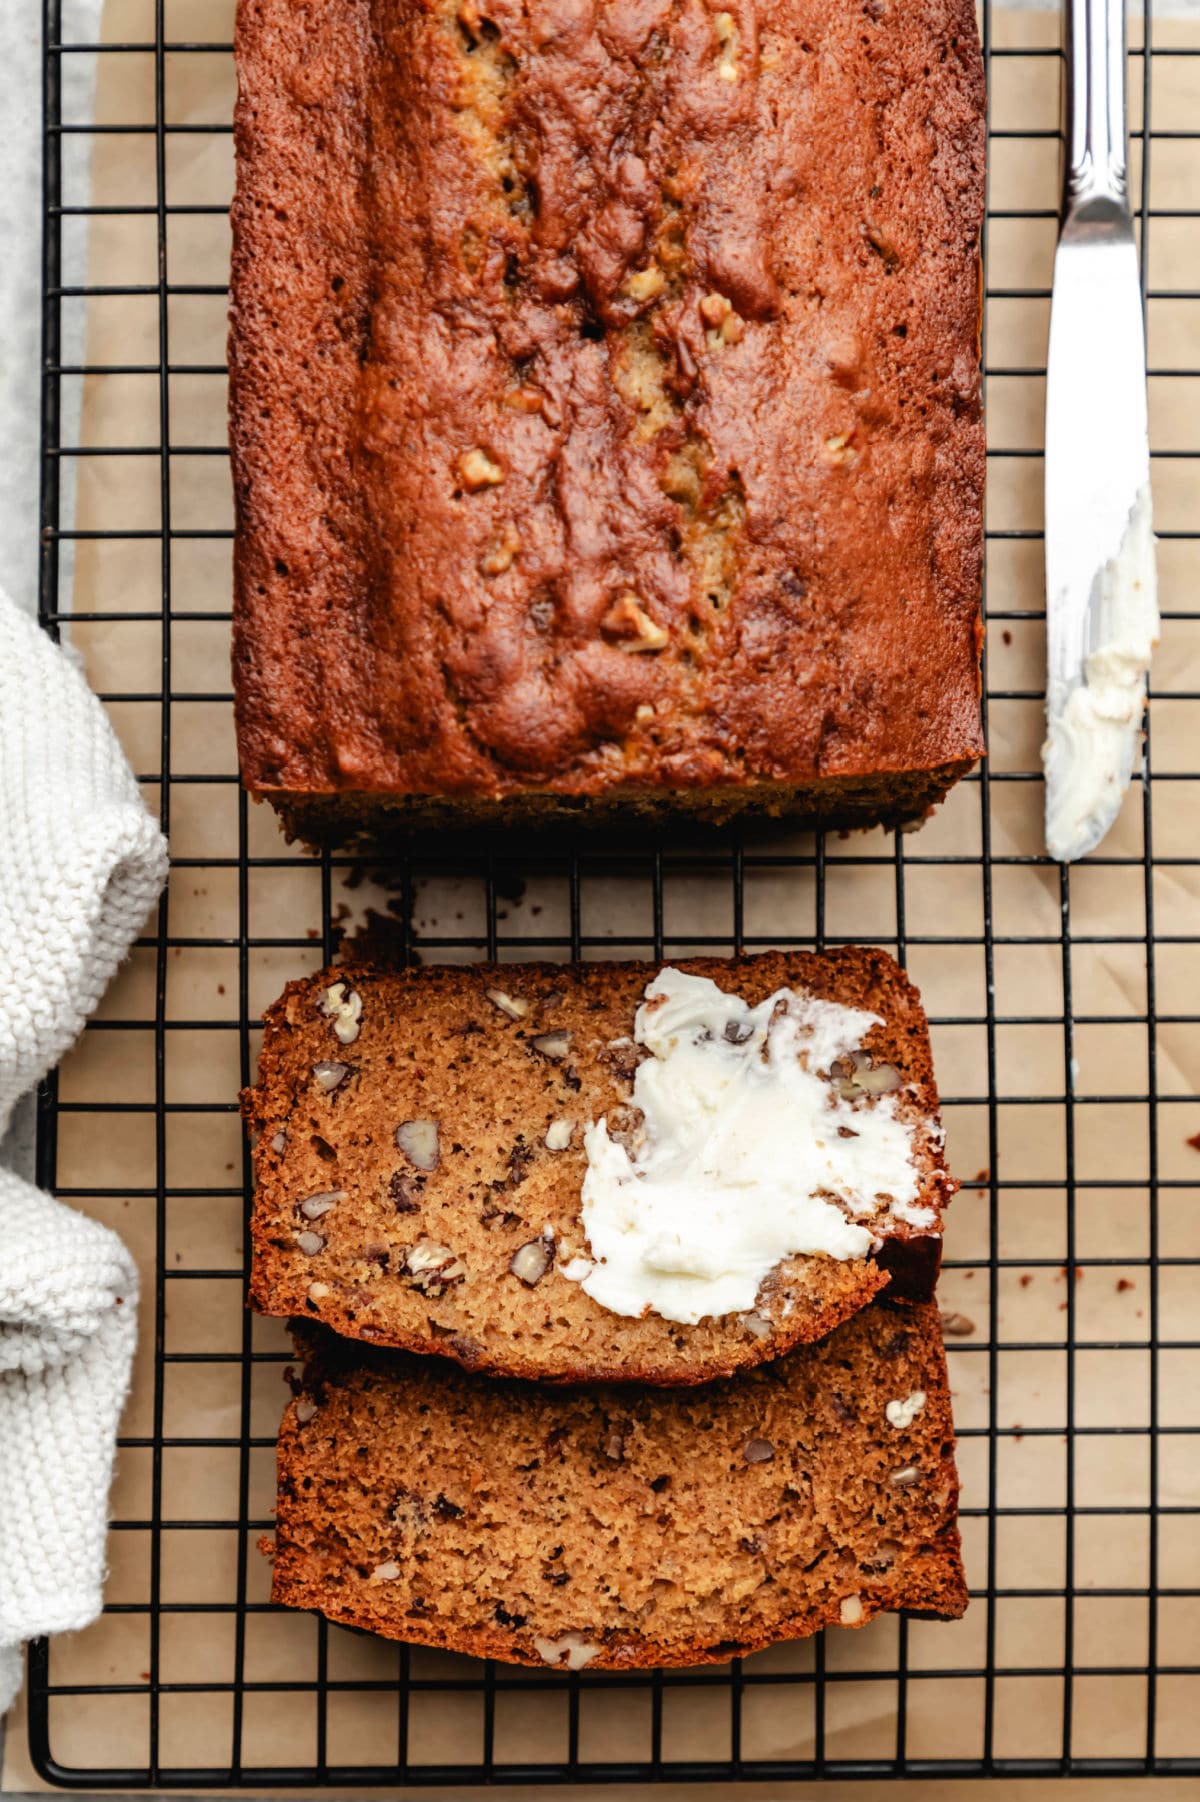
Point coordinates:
[[434, 1044], [605, 408], [648, 1527]]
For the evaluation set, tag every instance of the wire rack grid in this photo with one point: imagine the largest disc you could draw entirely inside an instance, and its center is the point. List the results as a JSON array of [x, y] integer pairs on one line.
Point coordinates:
[[1064, 1008]]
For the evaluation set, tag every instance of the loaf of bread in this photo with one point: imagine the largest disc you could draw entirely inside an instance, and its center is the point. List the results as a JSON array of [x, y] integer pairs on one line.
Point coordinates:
[[422, 1168], [605, 408], [615, 1528]]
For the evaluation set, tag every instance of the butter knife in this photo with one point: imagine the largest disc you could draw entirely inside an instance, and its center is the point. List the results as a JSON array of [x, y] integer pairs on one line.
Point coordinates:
[[1101, 608]]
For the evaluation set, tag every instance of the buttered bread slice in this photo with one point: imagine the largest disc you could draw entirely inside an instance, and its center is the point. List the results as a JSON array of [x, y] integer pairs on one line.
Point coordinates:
[[600, 1172]]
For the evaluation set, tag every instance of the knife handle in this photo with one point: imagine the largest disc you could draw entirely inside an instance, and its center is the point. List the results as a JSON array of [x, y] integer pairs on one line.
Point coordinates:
[[1096, 168]]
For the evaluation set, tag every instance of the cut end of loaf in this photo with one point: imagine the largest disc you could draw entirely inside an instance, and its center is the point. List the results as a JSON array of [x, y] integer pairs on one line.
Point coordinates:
[[897, 799]]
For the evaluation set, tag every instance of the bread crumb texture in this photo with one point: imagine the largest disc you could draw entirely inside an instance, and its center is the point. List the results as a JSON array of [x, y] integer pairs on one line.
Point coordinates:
[[589, 360], [614, 1528], [420, 1186]]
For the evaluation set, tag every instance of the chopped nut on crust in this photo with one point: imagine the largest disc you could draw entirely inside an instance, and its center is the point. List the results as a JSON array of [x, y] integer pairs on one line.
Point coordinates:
[[730, 40], [840, 450], [478, 470], [851, 1611], [628, 622], [724, 325], [558, 1135], [645, 284], [552, 1045], [500, 558]]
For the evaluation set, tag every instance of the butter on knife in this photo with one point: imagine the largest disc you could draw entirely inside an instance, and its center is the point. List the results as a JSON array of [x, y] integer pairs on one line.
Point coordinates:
[[1094, 724]]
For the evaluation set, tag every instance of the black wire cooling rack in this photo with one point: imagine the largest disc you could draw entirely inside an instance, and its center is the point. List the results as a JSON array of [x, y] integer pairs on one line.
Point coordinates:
[[1064, 1006]]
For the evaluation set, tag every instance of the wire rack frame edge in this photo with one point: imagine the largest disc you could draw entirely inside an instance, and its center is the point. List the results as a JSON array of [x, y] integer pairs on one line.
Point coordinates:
[[994, 1673]]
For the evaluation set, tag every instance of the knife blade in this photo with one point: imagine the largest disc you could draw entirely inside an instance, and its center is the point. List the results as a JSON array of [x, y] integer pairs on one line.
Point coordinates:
[[1101, 607]]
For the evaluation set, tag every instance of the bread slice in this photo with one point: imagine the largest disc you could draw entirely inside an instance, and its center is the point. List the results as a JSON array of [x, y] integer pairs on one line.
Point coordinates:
[[350, 1231], [615, 1528]]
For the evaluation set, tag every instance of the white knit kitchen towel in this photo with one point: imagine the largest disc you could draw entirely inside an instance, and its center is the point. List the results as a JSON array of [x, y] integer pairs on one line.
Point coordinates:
[[81, 865]]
